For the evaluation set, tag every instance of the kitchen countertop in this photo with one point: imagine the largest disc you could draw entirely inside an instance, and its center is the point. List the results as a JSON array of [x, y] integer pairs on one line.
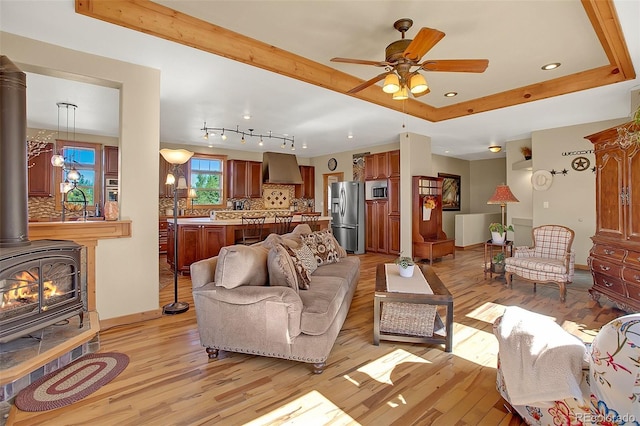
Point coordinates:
[[208, 221]]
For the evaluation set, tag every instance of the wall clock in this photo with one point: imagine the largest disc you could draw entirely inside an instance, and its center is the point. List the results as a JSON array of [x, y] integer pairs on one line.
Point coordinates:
[[332, 164]]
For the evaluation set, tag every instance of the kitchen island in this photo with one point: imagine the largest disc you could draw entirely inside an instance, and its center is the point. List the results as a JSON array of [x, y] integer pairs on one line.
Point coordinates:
[[201, 238]]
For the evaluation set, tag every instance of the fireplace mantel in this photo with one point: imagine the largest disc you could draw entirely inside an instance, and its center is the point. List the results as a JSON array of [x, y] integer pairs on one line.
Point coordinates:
[[86, 233]]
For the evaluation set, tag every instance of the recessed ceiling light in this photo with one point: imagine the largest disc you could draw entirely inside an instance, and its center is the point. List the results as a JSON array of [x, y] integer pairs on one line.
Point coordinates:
[[246, 116], [495, 148], [349, 136], [304, 146], [450, 94], [551, 66]]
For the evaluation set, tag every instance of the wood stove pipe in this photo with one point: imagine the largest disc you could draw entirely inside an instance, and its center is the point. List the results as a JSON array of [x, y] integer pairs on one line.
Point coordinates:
[[14, 206]]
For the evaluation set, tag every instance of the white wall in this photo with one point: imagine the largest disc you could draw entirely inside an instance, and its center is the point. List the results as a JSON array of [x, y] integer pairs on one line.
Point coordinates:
[[126, 269], [571, 198]]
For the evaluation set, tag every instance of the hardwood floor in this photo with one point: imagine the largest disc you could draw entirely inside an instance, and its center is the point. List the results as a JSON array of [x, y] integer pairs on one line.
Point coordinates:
[[170, 380]]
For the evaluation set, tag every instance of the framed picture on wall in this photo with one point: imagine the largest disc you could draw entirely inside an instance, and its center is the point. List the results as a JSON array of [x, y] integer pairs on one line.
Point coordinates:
[[450, 191]]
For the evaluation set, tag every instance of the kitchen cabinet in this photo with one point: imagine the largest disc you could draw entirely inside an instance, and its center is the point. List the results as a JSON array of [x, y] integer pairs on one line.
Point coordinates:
[[162, 233], [393, 194], [614, 259], [195, 242], [244, 179], [40, 174], [376, 239], [110, 155], [394, 163], [376, 166], [393, 234], [308, 187]]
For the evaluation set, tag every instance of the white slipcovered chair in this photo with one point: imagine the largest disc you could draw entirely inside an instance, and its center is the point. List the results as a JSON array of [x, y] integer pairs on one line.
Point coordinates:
[[551, 258], [606, 385]]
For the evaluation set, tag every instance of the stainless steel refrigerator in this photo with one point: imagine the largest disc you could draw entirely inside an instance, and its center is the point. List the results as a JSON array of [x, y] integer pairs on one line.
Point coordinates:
[[347, 215]]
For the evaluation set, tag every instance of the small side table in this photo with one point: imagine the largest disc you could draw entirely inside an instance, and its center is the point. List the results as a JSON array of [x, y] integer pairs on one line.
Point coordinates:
[[489, 247]]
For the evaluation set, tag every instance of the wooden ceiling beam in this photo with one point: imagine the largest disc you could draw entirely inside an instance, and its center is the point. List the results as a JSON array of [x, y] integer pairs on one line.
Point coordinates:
[[160, 21]]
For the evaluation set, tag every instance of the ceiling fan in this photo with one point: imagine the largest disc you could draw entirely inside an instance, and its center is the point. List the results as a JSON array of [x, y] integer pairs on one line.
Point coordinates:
[[402, 56]]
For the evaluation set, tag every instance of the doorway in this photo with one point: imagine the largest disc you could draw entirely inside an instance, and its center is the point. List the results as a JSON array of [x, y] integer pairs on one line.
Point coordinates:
[[327, 180]]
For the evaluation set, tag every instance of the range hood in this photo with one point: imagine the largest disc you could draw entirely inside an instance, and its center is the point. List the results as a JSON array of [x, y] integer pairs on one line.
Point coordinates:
[[280, 168]]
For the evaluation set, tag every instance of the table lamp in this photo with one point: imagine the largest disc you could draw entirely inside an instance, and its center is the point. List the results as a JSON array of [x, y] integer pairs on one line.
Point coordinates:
[[502, 196]]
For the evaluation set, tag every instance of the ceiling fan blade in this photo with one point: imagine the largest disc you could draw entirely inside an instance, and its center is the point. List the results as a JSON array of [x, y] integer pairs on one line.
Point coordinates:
[[422, 43], [361, 62], [369, 82], [456, 65]]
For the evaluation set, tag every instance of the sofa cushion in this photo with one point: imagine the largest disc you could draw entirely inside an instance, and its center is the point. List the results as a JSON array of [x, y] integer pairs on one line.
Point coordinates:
[[323, 245], [321, 303], [346, 268], [280, 267], [241, 265]]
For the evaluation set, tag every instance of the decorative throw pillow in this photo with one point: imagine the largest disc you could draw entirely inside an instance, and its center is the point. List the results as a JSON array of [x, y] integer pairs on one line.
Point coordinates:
[[323, 246], [304, 253], [281, 268], [241, 265], [302, 273]]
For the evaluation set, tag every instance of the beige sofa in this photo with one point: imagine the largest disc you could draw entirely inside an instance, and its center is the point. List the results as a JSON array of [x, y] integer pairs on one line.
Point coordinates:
[[252, 299]]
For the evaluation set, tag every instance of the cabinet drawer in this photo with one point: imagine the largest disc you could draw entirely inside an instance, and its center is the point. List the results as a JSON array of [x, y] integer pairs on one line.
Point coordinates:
[[608, 252], [607, 268], [163, 224], [610, 284], [634, 291], [631, 275], [633, 258]]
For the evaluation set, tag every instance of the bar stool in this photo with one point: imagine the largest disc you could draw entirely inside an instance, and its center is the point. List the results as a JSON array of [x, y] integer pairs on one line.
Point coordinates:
[[252, 229], [311, 219], [282, 223]]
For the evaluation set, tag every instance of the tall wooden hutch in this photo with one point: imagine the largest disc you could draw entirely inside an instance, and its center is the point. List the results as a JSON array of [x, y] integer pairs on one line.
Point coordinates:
[[614, 258], [429, 240]]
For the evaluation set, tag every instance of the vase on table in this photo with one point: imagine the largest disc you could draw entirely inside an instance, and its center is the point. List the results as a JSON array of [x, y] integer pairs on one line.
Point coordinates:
[[497, 237], [406, 272]]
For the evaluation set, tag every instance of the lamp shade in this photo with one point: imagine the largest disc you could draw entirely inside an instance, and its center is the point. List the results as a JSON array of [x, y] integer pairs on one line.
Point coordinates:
[[401, 94], [73, 174], [192, 193], [171, 179], [176, 156], [391, 83], [182, 183], [418, 84], [503, 195], [57, 160]]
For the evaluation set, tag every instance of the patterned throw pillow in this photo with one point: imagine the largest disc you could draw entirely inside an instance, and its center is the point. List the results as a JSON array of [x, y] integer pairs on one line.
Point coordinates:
[[323, 246], [304, 253], [302, 273]]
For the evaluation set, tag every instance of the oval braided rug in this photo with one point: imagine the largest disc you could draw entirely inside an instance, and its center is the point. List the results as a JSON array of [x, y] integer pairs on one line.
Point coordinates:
[[71, 383]]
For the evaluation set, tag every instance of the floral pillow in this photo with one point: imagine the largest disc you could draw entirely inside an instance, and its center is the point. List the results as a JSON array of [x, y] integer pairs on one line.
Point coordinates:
[[300, 265], [323, 246]]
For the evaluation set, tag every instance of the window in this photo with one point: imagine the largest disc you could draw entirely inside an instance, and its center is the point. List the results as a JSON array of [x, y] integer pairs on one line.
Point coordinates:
[[206, 177], [84, 157]]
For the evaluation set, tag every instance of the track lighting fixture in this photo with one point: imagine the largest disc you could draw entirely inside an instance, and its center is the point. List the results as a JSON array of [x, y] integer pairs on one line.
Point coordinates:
[[209, 131]]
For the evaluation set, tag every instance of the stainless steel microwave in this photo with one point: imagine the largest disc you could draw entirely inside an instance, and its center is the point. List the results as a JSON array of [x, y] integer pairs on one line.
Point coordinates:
[[379, 192]]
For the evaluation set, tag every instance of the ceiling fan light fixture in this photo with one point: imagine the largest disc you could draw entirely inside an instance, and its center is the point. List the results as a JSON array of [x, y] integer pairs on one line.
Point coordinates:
[[495, 148], [401, 94], [391, 83], [418, 84]]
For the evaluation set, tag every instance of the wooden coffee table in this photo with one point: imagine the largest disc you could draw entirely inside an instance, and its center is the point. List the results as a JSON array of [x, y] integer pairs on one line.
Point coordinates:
[[442, 333]]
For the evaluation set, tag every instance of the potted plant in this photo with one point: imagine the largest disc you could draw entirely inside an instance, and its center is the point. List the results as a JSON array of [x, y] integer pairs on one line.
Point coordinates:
[[526, 151], [499, 232], [405, 265], [497, 263]]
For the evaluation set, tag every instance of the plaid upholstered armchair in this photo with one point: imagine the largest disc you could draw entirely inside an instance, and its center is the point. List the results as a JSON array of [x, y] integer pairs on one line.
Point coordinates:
[[549, 260]]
